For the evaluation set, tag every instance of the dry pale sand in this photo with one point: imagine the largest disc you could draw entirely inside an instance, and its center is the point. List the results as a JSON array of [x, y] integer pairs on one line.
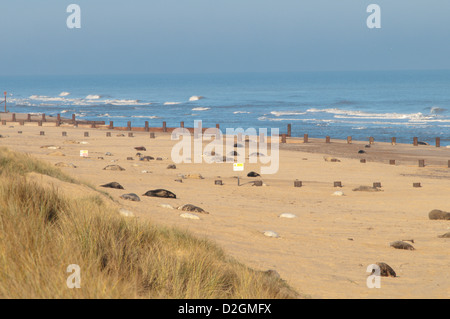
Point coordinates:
[[323, 252]]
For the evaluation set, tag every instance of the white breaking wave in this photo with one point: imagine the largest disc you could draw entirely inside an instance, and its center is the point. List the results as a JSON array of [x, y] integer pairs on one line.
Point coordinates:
[[201, 109], [286, 113], [47, 98], [124, 102], [241, 112], [64, 94], [195, 98], [343, 114], [146, 117], [93, 97], [437, 110], [172, 103]]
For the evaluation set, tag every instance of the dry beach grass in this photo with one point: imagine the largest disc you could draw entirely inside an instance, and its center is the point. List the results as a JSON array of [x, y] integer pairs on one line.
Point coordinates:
[[47, 223]]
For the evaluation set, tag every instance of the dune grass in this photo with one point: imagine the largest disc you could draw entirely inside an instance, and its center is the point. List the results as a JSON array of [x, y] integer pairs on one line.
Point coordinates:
[[43, 232]]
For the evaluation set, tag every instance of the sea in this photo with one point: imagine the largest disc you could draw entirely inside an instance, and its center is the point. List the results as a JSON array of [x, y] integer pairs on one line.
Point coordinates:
[[379, 104]]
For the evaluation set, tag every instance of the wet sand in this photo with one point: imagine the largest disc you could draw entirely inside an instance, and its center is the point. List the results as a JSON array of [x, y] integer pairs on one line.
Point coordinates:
[[323, 252]]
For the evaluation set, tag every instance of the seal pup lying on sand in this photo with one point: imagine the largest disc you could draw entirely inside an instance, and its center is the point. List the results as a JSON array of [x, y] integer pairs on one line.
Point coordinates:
[[132, 196], [160, 193], [401, 245], [113, 185], [386, 270], [192, 208], [437, 214]]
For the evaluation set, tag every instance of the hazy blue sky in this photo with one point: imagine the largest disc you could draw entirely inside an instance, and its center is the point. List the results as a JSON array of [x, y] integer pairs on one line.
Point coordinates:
[[183, 36]]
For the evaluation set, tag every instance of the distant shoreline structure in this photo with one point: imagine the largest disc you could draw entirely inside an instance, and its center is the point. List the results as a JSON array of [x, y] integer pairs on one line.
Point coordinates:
[[43, 120]]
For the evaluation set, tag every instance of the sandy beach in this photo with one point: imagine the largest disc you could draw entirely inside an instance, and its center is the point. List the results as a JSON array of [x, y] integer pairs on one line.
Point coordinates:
[[325, 250]]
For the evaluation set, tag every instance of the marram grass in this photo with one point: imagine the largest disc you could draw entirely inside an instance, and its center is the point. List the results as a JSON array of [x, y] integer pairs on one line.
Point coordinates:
[[43, 232]]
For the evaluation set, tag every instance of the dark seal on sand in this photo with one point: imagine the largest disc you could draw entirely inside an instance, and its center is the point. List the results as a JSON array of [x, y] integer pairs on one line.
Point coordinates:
[[114, 168], [447, 235], [437, 214], [133, 197], [253, 174], [192, 208], [386, 270], [160, 193], [367, 189], [140, 148], [401, 245], [113, 185]]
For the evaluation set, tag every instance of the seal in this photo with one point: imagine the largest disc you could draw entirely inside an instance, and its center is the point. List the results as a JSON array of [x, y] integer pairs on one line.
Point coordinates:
[[367, 189], [140, 148], [113, 185], [132, 196], [163, 193], [401, 245], [447, 235], [437, 214], [385, 270], [192, 208], [146, 158], [114, 168], [253, 174]]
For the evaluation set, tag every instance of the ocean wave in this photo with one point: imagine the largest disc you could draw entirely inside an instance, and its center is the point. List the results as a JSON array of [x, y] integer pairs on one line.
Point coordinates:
[[276, 113], [172, 103], [437, 110], [241, 112], [93, 97], [146, 117], [45, 98], [201, 109], [124, 102], [345, 114], [195, 98], [64, 94]]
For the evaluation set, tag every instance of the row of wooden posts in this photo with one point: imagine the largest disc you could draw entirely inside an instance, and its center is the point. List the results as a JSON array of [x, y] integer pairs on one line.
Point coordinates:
[[298, 183], [146, 128]]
